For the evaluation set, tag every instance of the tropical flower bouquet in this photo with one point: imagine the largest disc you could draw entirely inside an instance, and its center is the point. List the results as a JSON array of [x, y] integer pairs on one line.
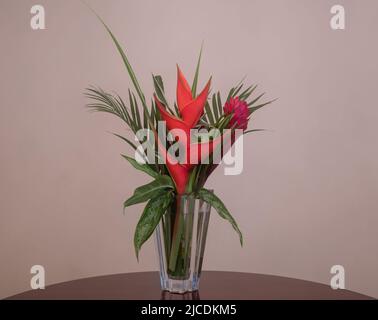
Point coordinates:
[[179, 145]]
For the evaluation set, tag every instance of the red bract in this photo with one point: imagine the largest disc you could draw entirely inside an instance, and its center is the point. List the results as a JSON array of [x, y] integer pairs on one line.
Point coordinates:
[[191, 109], [239, 110], [184, 94]]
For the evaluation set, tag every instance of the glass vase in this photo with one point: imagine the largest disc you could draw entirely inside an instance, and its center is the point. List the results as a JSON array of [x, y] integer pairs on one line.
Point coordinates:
[[180, 241]]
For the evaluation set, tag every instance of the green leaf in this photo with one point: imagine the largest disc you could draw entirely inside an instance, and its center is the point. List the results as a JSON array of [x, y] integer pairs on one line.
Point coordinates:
[[232, 91], [255, 108], [127, 64], [142, 167], [159, 90], [137, 113], [150, 218], [153, 111], [177, 109], [126, 140], [237, 89], [223, 124], [195, 80], [159, 80], [254, 130], [145, 119], [209, 113], [246, 93], [215, 107], [123, 109], [219, 101], [132, 107], [218, 205], [150, 190], [230, 94], [256, 99]]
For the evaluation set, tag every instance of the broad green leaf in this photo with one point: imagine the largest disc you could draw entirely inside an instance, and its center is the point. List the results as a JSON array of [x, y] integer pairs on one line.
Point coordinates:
[[150, 190], [218, 205], [150, 218], [142, 167]]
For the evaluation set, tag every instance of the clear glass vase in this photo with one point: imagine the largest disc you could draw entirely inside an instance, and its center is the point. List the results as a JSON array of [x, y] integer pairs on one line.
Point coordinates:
[[180, 241]]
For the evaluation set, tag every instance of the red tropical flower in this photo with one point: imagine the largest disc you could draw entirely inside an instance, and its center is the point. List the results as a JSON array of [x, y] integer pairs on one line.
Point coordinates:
[[240, 113], [191, 109]]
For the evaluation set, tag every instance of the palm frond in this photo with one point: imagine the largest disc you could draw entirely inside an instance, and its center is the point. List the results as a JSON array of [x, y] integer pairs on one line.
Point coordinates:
[[252, 109], [103, 101]]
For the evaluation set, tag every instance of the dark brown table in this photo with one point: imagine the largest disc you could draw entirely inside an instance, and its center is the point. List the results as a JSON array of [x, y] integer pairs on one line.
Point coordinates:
[[214, 285]]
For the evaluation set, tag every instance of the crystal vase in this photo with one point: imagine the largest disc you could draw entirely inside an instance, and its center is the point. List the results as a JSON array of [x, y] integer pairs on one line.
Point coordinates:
[[180, 241]]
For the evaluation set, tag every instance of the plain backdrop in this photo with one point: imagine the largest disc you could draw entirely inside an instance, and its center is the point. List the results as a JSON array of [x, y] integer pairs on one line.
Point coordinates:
[[308, 195]]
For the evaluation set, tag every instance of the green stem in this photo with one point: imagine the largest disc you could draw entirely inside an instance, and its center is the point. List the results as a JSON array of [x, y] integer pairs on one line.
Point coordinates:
[[176, 235], [192, 179], [188, 235]]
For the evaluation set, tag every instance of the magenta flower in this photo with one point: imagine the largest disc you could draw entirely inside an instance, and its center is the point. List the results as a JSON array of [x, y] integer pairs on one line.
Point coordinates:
[[239, 109]]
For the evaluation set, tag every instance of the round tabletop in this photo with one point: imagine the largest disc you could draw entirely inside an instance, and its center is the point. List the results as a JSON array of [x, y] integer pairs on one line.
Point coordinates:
[[214, 285]]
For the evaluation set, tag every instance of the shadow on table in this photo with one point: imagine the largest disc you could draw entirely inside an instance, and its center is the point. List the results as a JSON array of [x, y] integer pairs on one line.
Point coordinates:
[[166, 295]]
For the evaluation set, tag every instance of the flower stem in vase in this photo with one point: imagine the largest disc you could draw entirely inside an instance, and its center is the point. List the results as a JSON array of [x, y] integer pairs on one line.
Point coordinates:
[[176, 237], [179, 257]]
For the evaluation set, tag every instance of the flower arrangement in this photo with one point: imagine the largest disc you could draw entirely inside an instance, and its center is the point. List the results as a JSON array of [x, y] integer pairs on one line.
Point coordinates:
[[176, 156]]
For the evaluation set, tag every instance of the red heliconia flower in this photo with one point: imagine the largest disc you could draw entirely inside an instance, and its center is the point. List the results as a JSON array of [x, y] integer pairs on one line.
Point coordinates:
[[191, 109], [239, 109], [178, 172]]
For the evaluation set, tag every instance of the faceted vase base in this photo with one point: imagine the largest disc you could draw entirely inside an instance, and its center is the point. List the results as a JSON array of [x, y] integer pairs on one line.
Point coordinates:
[[180, 286]]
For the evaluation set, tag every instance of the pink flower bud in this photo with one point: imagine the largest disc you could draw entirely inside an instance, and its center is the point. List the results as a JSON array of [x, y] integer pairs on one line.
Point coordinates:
[[239, 110]]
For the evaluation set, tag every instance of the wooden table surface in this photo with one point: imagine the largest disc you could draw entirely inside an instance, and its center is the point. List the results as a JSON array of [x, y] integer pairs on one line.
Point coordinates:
[[214, 285]]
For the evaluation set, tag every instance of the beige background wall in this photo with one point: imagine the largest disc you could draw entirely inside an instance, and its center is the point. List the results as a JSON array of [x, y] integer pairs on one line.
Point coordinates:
[[308, 197]]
